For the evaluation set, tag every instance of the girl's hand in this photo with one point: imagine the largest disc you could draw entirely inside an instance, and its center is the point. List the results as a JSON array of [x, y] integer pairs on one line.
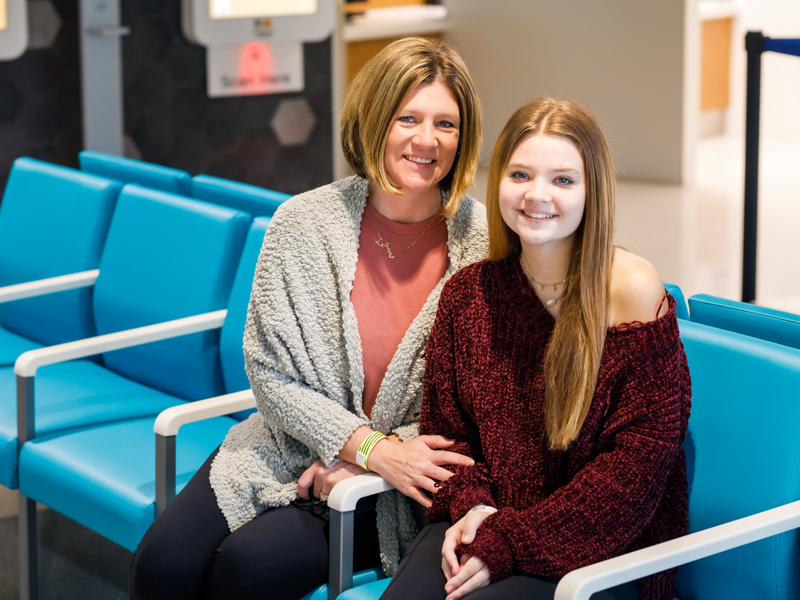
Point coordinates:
[[463, 532], [472, 575], [415, 465], [319, 479]]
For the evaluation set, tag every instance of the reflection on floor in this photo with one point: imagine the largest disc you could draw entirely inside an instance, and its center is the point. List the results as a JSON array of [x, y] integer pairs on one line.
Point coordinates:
[[73, 561]]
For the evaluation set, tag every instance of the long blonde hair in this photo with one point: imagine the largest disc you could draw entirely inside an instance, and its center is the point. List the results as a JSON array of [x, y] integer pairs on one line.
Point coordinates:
[[573, 356], [379, 90]]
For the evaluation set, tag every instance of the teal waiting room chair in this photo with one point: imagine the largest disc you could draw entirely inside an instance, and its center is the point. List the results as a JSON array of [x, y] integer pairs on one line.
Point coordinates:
[[130, 170], [749, 319], [166, 259], [258, 201], [53, 226]]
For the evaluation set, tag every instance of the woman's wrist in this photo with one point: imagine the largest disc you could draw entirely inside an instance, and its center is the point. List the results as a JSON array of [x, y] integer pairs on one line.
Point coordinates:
[[378, 455], [366, 447]]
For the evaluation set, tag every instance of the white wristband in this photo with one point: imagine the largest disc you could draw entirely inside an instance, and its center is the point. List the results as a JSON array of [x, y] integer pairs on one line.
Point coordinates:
[[482, 508]]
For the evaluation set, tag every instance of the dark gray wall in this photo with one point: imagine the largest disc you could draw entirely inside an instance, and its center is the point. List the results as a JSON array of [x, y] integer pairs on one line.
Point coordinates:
[[168, 117]]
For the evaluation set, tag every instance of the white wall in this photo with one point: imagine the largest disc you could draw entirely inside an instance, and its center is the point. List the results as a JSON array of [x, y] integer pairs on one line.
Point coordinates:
[[624, 59], [780, 74]]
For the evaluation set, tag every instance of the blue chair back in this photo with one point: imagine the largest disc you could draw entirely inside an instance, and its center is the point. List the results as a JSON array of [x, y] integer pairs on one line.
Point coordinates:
[[168, 257], [53, 221], [233, 330], [129, 170], [742, 453], [248, 198], [748, 319], [680, 302]]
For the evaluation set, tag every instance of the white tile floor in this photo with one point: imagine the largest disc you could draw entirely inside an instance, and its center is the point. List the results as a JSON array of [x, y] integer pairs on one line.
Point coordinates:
[[693, 234]]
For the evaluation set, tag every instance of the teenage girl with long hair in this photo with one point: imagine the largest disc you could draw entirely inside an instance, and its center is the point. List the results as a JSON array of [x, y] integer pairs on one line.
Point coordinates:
[[557, 366]]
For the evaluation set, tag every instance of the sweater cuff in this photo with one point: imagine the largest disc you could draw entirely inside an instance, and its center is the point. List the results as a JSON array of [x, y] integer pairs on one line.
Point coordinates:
[[492, 549], [452, 502]]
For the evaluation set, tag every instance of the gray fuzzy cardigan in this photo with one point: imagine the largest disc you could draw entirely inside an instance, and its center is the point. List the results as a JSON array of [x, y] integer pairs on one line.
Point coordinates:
[[303, 357]]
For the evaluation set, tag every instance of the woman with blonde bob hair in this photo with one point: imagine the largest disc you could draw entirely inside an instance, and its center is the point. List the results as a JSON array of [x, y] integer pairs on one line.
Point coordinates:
[[343, 299], [557, 366]]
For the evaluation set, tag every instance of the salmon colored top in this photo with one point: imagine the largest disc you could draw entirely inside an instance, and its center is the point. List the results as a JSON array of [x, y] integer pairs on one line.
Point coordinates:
[[388, 293]]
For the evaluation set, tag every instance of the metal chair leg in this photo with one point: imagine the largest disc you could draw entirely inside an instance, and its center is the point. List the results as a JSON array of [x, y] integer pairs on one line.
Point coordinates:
[[28, 561], [340, 575]]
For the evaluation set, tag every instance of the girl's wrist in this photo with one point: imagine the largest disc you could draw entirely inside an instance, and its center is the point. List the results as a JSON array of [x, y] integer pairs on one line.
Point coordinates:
[[482, 508]]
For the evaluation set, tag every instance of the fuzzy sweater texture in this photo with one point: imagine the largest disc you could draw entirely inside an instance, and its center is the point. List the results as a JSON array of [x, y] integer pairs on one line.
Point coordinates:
[[619, 487], [303, 358]]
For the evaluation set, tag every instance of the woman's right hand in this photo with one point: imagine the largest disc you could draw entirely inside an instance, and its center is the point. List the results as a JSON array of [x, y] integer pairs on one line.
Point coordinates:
[[415, 465]]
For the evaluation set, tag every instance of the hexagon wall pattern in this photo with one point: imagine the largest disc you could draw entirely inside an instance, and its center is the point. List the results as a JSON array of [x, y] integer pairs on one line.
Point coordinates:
[[282, 142], [170, 120], [293, 122]]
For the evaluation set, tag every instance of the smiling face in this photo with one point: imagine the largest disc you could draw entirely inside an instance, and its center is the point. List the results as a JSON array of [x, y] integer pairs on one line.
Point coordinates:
[[423, 140], [543, 192]]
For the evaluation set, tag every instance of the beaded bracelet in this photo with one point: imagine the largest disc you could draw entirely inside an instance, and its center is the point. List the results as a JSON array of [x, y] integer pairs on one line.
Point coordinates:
[[366, 447]]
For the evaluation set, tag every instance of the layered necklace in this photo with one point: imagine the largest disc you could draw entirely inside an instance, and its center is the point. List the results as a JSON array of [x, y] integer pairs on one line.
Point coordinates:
[[541, 286], [385, 245]]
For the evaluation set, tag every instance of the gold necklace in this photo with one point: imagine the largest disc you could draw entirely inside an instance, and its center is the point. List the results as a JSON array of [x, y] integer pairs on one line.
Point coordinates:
[[385, 245], [541, 285]]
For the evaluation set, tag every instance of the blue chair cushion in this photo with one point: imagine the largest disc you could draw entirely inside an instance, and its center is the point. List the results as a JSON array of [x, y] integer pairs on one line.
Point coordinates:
[[129, 170], [53, 221], [168, 257], [367, 591], [104, 477], [756, 321], [12, 345], [72, 394], [257, 201]]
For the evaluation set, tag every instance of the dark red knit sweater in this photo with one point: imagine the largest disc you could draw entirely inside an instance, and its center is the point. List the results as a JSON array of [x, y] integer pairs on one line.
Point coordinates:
[[622, 483]]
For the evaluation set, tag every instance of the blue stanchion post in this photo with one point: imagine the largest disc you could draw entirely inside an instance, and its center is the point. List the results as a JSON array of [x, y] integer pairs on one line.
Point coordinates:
[[756, 43]]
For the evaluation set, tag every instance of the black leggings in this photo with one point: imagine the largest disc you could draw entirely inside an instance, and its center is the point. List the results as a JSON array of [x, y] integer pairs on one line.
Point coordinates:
[[188, 552], [420, 577]]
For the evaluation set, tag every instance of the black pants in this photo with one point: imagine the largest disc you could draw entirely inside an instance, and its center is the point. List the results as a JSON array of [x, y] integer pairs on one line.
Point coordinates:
[[188, 552], [420, 577]]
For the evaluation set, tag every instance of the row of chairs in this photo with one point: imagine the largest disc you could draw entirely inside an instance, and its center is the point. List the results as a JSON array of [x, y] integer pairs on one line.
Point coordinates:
[[743, 458], [117, 301]]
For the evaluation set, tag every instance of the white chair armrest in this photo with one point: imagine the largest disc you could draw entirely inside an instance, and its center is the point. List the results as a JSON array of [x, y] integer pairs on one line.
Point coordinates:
[[28, 362], [29, 289], [347, 493], [580, 584], [169, 421]]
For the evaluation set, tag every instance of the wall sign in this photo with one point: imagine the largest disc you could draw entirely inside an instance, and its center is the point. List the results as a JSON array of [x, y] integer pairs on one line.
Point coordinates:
[[255, 68]]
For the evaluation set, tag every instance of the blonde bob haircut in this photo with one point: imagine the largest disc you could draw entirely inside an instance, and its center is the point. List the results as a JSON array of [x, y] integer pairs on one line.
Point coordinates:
[[376, 94], [573, 356]]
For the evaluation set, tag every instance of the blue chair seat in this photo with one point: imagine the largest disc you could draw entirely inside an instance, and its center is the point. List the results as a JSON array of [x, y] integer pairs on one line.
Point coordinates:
[[367, 591], [72, 394], [362, 580], [104, 476], [12, 345]]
